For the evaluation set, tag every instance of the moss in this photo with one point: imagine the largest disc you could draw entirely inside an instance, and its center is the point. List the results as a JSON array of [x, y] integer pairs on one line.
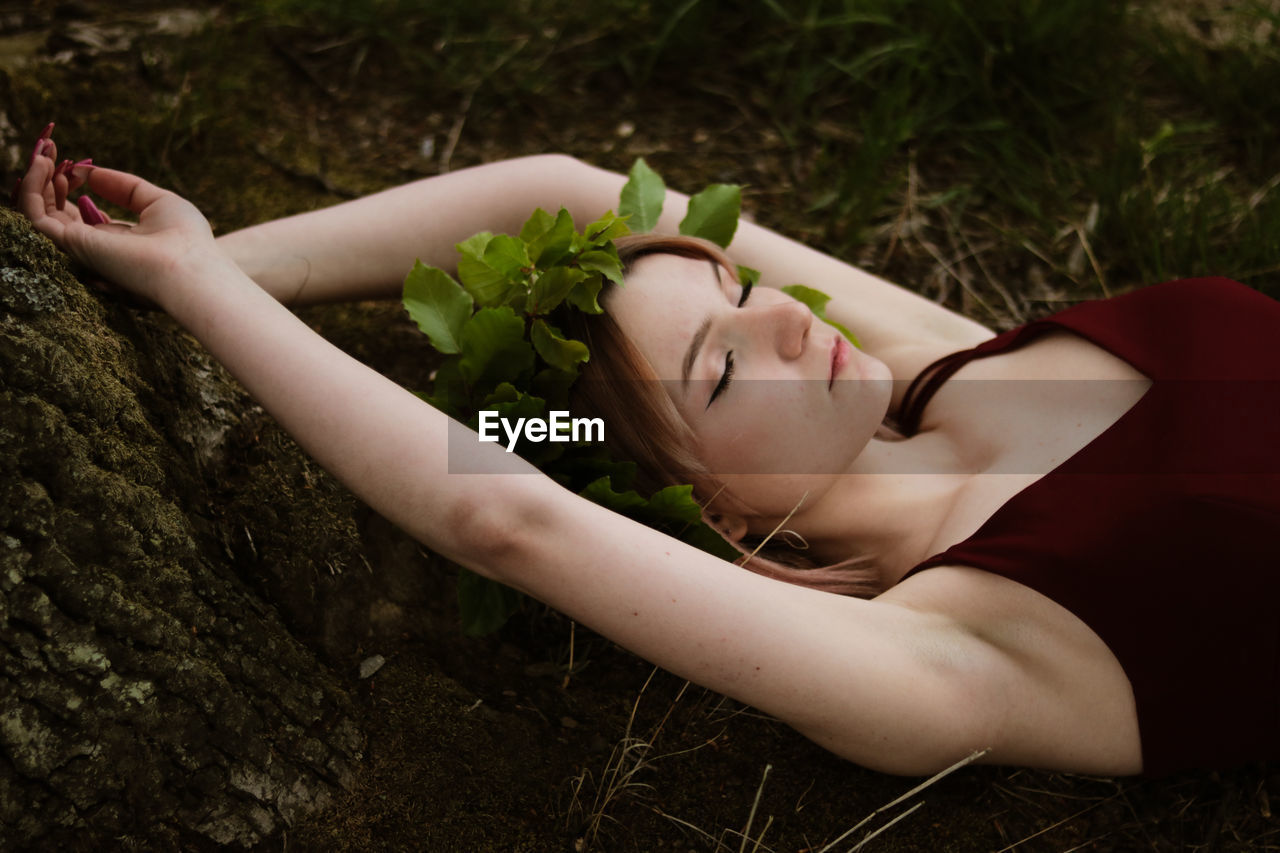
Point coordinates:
[[111, 580]]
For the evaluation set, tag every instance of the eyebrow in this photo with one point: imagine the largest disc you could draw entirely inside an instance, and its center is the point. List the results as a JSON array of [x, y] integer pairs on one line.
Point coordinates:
[[699, 338]]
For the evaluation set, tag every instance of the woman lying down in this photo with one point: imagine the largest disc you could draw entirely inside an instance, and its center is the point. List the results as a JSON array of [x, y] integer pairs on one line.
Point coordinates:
[[1082, 577]]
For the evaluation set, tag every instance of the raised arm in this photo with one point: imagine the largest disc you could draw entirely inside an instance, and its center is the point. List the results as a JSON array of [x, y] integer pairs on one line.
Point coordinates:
[[362, 249]]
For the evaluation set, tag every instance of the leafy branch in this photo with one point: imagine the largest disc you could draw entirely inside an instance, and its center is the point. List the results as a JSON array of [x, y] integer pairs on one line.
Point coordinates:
[[503, 354]]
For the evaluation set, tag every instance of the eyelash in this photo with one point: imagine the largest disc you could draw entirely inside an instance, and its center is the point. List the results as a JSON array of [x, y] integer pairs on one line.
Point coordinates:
[[728, 359]]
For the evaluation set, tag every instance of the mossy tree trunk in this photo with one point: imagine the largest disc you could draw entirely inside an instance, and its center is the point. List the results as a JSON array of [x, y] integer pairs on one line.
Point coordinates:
[[153, 687]]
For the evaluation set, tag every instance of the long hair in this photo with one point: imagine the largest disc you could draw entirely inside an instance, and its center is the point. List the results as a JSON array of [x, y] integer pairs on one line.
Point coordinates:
[[619, 385]]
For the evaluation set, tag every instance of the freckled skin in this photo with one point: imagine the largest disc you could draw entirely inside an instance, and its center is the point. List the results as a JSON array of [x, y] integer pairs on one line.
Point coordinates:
[[780, 430]]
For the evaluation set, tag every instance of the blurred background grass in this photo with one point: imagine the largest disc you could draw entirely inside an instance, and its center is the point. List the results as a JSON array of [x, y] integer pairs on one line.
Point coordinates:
[[1002, 156], [1091, 145]]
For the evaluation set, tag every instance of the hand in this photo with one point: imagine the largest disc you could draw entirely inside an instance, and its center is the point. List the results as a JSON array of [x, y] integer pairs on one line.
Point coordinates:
[[147, 260]]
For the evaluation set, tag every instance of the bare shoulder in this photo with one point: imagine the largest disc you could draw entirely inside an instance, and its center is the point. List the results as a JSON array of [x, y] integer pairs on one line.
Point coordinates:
[[1061, 698]]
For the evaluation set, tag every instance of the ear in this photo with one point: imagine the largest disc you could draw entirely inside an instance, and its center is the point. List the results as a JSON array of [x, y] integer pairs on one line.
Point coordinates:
[[729, 525]]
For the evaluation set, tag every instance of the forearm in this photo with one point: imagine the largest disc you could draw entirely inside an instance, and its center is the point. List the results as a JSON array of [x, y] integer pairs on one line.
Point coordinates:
[[362, 249], [382, 442]]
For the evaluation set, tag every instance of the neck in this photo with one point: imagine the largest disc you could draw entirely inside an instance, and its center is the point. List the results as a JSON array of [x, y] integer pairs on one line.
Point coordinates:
[[889, 508]]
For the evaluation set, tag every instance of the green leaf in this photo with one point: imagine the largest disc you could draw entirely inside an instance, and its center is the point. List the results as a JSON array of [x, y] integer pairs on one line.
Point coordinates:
[[704, 538], [493, 346], [604, 262], [584, 297], [675, 508], [607, 227], [549, 240], [504, 393], [593, 463], [747, 275], [601, 492], [844, 330], [520, 406], [513, 405], [642, 197], [551, 287], [815, 299], [672, 507], [817, 302], [488, 285], [485, 605], [675, 503], [713, 214], [475, 244], [491, 267], [448, 391], [554, 384], [438, 304], [508, 254], [538, 223], [556, 350]]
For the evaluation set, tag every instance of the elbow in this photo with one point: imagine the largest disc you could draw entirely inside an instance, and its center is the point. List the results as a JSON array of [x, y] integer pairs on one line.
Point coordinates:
[[561, 171], [558, 164], [495, 534]]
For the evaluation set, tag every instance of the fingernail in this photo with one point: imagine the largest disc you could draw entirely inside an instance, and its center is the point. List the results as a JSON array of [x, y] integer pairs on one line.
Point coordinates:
[[64, 168], [40, 143], [47, 132], [43, 148], [89, 211], [88, 161]]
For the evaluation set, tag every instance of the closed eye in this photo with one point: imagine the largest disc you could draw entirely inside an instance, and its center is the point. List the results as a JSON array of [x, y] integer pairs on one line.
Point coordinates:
[[724, 378], [728, 359]]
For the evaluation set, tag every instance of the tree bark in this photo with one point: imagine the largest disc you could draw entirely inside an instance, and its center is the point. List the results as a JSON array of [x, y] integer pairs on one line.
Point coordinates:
[[162, 548]]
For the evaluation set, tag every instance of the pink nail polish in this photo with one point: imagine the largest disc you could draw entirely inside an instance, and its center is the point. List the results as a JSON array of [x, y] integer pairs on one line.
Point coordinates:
[[47, 132], [88, 161], [64, 168], [89, 211]]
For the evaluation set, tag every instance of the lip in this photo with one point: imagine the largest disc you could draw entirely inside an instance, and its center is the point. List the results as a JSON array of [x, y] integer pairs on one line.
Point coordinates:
[[840, 353]]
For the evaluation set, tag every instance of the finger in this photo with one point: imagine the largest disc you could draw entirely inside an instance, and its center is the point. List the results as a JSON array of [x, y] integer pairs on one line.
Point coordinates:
[[123, 189], [89, 212], [78, 174], [61, 185], [39, 144], [32, 199], [50, 150]]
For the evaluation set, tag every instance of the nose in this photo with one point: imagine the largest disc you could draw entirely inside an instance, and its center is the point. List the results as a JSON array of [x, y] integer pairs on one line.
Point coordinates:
[[785, 325]]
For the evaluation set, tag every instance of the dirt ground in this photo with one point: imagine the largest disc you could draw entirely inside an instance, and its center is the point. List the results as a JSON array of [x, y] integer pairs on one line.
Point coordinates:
[[542, 737]]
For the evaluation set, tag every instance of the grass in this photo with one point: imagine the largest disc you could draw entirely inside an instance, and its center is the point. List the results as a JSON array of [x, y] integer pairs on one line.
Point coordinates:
[[1018, 118], [632, 757]]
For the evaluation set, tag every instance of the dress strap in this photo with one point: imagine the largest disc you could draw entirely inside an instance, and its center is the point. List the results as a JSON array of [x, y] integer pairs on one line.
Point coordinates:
[[924, 386], [927, 383]]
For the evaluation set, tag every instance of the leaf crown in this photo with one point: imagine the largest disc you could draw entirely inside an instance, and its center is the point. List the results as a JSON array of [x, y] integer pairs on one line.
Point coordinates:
[[502, 352]]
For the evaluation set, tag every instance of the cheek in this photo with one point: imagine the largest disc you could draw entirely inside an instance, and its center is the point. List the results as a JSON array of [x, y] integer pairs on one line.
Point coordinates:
[[777, 435]]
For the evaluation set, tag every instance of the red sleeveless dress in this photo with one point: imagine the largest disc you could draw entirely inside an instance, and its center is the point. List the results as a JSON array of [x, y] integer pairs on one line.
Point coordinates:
[[1163, 534]]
